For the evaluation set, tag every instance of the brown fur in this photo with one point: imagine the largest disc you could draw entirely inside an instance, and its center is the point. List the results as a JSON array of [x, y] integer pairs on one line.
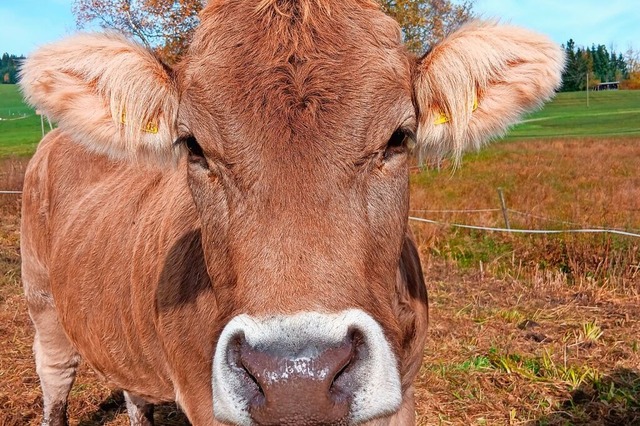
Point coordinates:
[[295, 206]]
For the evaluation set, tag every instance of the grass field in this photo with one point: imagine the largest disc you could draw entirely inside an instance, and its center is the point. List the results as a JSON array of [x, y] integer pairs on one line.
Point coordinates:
[[525, 329], [20, 128], [610, 113]]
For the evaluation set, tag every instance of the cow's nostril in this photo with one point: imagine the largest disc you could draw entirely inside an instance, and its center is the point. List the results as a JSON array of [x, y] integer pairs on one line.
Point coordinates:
[[251, 388], [342, 384], [259, 395], [312, 384], [339, 376]]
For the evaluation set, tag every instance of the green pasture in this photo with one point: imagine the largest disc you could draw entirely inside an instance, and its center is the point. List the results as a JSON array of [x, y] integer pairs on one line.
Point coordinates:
[[610, 113], [19, 125]]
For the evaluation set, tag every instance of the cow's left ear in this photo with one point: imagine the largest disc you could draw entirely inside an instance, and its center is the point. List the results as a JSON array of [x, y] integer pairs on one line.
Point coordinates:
[[110, 94], [480, 80]]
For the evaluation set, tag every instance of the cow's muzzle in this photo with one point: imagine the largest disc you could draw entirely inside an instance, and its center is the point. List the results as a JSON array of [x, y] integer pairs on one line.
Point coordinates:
[[308, 368]]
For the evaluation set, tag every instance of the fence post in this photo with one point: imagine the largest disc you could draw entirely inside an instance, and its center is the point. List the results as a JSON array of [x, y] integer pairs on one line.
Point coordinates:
[[505, 214], [40, 113]]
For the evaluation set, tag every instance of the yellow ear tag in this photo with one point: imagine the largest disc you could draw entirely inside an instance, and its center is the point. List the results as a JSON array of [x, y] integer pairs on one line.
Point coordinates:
[[441, 118], [151, 126]]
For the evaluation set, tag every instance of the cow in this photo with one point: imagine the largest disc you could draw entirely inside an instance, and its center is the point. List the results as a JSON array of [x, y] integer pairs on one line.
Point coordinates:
[[231, 233]]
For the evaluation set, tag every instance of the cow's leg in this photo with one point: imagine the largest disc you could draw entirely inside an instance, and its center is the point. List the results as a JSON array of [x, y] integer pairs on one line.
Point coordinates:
[[140, 411], [56, 363]]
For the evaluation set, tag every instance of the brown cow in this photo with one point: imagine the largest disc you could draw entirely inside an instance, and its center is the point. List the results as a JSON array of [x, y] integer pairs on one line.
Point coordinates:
[[232, 233]]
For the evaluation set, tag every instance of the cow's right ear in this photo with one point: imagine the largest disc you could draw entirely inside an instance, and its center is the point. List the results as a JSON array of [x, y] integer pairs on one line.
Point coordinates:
[[111, 94]]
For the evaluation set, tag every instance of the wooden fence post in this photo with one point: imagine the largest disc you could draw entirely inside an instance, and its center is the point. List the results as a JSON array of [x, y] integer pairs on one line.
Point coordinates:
[[505, 213]]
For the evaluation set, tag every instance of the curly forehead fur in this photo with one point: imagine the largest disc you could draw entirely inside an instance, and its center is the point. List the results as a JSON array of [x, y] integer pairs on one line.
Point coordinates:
[[281, 59]]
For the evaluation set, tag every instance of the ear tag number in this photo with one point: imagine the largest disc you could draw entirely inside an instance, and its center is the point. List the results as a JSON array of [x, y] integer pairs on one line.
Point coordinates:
[[151, 127]]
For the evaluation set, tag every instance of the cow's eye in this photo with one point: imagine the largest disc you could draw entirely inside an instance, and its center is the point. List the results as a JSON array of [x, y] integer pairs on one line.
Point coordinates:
[[397, 143], [195, 150], [196, 154]]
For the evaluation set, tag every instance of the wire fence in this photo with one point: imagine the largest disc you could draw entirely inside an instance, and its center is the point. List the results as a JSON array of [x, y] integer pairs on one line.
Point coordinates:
[[528, 231], [582, 230], [457, 211], [564, 222], [523, 214]]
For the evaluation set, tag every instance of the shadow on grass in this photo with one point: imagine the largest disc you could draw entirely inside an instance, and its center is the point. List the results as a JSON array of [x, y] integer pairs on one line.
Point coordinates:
[[114, 405], [612, 400], [108, 410]]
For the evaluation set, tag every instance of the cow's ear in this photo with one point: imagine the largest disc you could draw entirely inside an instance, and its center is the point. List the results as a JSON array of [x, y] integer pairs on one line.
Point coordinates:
[[480, 80], [109, 93]]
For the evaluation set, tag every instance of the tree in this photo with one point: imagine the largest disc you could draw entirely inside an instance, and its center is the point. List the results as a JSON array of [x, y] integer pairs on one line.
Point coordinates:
[[164, 25], [167, 25], [572, 77], [424, 22], [9, 66], [632, 60]]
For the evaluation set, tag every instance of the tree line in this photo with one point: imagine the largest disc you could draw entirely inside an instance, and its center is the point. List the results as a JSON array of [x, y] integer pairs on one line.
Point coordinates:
[[9, 65], [597, 65], [167, 25]]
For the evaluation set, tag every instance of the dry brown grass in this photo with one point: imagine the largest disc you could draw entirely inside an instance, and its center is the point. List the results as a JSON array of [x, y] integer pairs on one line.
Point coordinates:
[[513, 316], [504, 351], [559, 184], [11, 177], [524, 329]]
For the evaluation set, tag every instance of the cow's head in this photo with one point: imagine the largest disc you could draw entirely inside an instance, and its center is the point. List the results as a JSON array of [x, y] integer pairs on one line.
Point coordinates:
[[292, 121]]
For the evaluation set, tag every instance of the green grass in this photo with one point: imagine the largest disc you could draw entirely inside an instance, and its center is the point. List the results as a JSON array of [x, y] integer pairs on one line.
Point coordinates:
[[610, 113], [11, 103], [468, 249], [20, 129]]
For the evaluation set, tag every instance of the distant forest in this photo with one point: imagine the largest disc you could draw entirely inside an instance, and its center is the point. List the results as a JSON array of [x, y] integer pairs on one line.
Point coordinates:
[[9, 66], [601, 66]]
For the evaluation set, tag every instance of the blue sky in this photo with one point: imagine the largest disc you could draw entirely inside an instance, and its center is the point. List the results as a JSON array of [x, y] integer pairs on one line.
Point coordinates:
[[610, 22], [26, 24]]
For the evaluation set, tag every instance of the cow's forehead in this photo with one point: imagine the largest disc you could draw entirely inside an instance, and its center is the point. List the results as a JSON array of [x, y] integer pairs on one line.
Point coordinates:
[[296, 67]]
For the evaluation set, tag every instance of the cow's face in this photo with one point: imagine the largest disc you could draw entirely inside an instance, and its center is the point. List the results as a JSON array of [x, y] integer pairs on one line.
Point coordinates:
[[298, 124], [298, 131], [292, 122]]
